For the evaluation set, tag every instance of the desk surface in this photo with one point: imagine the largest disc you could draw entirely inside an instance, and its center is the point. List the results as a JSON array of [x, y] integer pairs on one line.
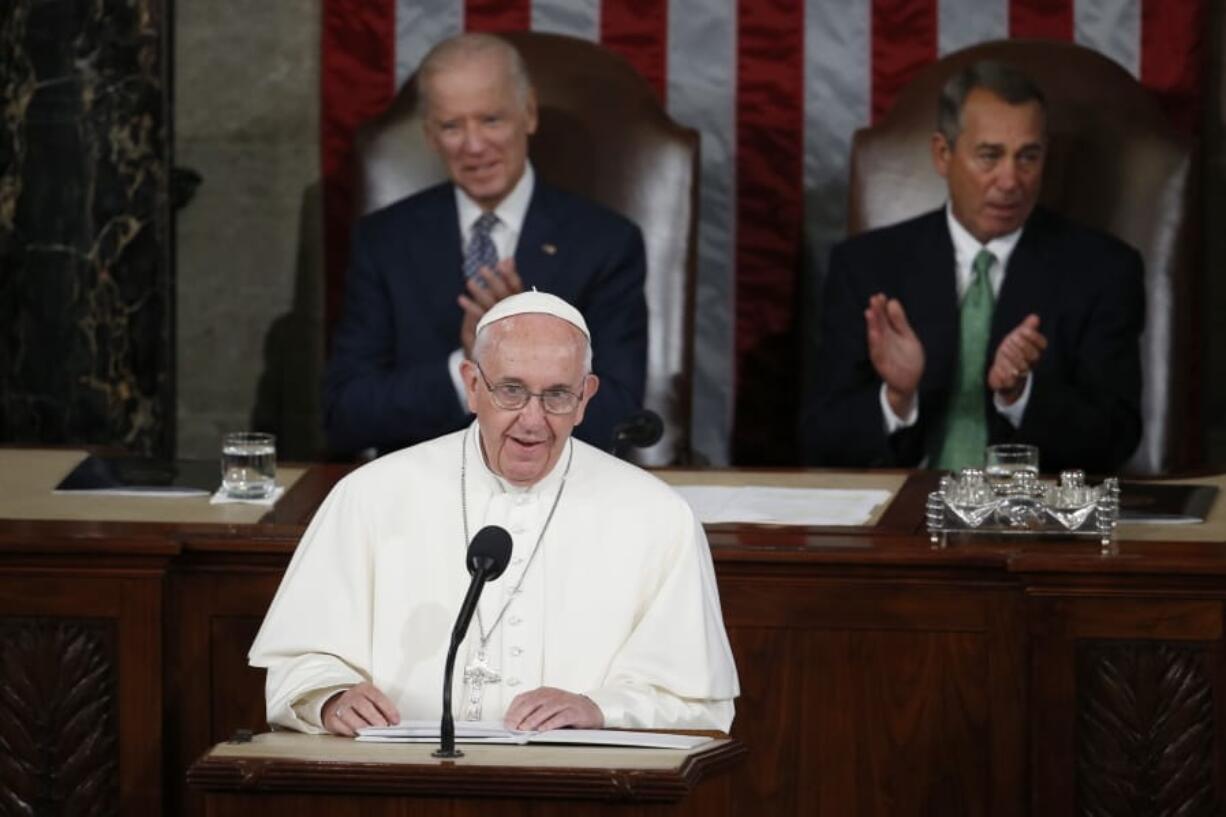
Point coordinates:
[[291, 761], [297, 747], [27, 491], [31, 514]]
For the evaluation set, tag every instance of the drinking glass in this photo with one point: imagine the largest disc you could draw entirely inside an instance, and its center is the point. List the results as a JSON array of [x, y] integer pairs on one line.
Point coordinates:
[[1000, 462], [248, 464]]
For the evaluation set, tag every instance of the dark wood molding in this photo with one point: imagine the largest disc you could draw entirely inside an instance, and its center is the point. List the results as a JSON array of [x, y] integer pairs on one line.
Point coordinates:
[[447, 779]]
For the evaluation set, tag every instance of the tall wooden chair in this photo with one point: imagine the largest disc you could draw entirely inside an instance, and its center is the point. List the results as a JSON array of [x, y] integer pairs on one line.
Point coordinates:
[[602, 133]]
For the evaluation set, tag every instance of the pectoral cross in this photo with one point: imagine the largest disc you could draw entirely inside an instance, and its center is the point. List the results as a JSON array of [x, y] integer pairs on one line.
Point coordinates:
[[477, 674]]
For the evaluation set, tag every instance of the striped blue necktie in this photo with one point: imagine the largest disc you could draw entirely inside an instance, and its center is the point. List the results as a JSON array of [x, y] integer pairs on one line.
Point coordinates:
[[481, 251]]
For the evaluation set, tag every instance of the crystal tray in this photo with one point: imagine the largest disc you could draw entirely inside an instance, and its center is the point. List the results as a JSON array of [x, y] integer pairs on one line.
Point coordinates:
[[1023, 504]]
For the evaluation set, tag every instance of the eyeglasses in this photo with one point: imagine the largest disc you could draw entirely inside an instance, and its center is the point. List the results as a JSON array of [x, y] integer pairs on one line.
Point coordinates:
[[514, 396]]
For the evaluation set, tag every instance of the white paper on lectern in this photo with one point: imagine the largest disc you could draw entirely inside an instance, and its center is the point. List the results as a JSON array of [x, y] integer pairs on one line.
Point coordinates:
[[495, 732], [714, 504]]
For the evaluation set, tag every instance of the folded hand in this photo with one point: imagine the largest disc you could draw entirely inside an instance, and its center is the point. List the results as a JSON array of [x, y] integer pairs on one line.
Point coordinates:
[[549, 708], [362, 705]]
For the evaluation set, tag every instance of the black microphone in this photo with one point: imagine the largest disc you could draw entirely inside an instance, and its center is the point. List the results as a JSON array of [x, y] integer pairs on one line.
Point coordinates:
[[488, 555], [642, 429]]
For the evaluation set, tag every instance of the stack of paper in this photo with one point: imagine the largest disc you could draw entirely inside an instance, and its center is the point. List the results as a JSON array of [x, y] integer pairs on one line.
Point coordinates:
[[714, 504], [495, 732]]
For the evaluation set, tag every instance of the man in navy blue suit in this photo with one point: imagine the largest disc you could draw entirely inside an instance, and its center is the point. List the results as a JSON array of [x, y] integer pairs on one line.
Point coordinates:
[[425, 269], [990, 320]]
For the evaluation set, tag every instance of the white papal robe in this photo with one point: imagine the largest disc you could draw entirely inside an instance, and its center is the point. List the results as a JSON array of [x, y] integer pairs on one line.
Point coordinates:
[[619, 603]]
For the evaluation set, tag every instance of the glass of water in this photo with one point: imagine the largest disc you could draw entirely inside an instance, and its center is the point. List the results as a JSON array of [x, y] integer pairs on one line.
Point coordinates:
[[1001, 462], [248, 464]]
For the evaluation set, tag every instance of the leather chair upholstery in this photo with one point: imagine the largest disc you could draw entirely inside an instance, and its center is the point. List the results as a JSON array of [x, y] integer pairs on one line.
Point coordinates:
[[602, 133], [1114, 162]]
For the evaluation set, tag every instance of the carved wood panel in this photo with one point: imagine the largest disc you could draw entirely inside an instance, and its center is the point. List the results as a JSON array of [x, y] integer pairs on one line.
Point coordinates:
[[1145, 729], [1115, 684], [58, 716]]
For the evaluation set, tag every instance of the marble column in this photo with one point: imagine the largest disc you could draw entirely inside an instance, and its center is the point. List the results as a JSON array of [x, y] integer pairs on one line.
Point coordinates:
[[86, 319]]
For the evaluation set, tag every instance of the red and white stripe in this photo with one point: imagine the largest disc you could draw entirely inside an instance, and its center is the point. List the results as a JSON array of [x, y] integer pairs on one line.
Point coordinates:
[[776, 88]]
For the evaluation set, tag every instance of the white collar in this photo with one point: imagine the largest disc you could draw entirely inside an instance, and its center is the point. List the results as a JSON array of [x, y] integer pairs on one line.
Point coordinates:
[[966, 247], [510, 211], [497, 484]]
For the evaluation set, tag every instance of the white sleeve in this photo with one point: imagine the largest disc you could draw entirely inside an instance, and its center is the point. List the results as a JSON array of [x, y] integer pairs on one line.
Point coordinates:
[[676, 669], [892, 421], [317, 633], [309, 708], [1015, 412]]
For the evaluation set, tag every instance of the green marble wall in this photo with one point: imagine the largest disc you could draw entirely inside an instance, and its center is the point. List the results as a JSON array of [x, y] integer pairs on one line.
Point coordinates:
[[86, 318]]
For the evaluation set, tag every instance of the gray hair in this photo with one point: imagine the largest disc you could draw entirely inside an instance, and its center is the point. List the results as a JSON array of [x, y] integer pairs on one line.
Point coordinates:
[[1002, 79], [462, 47], [482, 342]]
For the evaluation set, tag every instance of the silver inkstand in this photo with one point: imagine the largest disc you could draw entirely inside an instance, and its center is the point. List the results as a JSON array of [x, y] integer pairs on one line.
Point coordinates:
[[1024, 505]]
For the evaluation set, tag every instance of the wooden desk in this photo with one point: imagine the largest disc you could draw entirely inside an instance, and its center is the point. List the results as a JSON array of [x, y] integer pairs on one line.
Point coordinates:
[[307, 775], [880, 675]]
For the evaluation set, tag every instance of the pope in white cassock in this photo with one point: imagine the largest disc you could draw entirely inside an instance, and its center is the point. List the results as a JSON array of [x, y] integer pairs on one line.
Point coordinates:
[[608, 614]]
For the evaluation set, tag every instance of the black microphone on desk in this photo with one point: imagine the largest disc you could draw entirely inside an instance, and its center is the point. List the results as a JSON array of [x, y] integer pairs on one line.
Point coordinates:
[[488, 555], [642, 429]]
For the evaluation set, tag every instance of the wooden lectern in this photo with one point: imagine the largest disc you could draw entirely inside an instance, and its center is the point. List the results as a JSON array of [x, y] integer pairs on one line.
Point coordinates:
[[317, 775]]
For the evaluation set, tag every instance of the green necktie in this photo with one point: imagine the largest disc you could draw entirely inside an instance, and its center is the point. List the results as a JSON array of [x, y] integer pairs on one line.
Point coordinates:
[[966, 432]]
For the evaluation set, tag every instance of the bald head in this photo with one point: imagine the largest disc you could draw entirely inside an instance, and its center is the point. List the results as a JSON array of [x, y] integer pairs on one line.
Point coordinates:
[[467, 49]]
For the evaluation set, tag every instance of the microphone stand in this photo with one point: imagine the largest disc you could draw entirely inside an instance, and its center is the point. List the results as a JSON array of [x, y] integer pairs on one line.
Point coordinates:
[[446, 747]]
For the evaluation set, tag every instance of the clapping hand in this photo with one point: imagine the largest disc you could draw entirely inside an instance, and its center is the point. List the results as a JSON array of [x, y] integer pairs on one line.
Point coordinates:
[[1015, 359], [895, 351], [489, 286]]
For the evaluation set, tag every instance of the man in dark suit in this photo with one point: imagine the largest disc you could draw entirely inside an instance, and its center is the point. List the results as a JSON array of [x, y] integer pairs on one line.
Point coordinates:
[[425, 269], [988, 321]]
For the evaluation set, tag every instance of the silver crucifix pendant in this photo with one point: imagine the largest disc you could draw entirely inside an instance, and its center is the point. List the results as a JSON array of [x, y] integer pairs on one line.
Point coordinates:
[[477, 674]]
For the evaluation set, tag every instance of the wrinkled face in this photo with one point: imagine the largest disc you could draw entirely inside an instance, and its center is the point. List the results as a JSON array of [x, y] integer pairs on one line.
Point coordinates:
[[479, 124], [996, 165], [538, 352]]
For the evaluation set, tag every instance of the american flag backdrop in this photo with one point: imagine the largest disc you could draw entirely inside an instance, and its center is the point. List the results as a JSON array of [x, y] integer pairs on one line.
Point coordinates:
[[776, 88]]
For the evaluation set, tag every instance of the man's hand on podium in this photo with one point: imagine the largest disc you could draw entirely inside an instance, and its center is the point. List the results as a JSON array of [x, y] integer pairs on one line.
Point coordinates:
[[363, 705], [549, 708]]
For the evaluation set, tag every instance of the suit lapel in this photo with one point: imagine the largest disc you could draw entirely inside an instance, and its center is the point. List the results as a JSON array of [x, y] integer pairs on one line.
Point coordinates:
[[931, 296], [1027, 285], [440, 255], [537, 253]]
